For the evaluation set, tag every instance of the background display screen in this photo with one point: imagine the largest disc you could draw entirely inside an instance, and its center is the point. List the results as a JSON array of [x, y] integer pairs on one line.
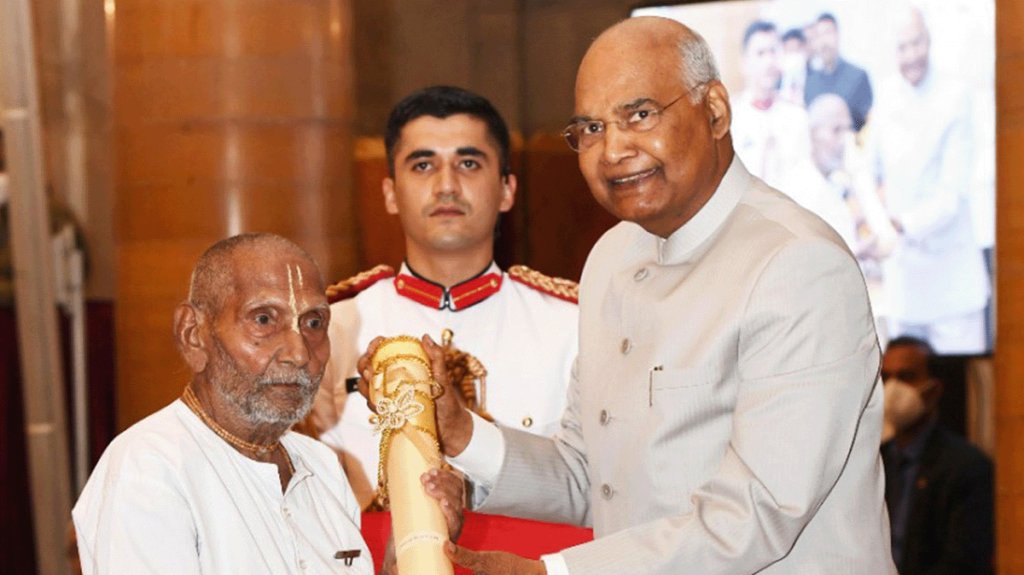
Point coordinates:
[[879, 116]]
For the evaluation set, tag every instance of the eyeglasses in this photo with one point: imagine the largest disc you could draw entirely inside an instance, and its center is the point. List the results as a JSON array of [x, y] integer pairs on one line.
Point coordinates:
[[582, 134]]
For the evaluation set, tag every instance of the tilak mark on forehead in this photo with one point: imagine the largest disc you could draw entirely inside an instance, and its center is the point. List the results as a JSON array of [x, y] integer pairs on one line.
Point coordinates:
[[291, 296]]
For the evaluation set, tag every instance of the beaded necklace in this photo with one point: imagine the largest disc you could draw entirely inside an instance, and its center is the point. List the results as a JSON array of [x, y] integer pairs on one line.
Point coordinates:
[[190, 399]]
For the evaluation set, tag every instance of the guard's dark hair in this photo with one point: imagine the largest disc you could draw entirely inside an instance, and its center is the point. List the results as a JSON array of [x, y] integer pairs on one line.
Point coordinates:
[[442, 102]]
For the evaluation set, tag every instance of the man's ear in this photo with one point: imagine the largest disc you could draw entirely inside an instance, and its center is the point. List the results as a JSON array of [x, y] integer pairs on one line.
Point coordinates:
[[390, 202], [188, 324], [719, 112], [508, 193]]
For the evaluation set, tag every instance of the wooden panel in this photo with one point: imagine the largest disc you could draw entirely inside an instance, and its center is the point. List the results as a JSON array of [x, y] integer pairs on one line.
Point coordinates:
[[232, 150], [380, 234], [223, 28], [563, 218], [229, 117], [263, 88], [1009, 357]]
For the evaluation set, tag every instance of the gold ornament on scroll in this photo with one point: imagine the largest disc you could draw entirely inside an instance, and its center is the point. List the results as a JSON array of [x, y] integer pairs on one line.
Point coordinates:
[[467, 375], [403, 391]]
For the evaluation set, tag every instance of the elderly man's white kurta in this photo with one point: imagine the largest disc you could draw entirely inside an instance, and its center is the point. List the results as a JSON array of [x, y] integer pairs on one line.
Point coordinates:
[[170, 496]]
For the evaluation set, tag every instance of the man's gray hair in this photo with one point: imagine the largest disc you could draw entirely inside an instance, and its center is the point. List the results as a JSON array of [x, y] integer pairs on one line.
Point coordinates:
[[697, 63]]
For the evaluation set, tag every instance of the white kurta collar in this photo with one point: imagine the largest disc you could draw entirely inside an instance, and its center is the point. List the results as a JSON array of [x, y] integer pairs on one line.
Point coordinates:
[[675, 248]]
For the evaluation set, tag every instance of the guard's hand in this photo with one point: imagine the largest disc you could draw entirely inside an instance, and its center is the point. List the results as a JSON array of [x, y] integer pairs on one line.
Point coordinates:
[[454, 423], [493, 562], [365, 367], [449, 488]]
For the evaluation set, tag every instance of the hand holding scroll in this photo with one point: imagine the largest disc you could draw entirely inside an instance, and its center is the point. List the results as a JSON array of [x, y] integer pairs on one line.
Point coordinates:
[[449, 490], [493, 562]]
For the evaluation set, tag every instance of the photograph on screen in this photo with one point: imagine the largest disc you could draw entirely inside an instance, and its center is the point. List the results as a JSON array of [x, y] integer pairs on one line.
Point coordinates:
[[879, 116]]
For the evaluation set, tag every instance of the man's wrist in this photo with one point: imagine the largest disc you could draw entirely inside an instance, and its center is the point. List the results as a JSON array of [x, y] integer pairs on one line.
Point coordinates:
[[455, 442], [554, 564]]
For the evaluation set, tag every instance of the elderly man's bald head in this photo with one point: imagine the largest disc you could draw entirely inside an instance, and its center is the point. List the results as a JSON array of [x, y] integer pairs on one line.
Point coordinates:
[[213, 277], [654, 39]]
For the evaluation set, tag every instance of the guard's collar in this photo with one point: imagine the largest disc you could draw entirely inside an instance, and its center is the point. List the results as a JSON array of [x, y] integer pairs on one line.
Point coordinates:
[[456, 298]]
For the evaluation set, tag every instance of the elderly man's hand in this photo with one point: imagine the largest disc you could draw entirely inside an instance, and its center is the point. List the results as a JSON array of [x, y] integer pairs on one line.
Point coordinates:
[[449, 488], [454, 423], [493, 562]]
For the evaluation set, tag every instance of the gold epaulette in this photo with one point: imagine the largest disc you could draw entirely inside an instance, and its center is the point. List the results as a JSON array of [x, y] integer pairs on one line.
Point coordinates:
[[560, 288], [348, 288]]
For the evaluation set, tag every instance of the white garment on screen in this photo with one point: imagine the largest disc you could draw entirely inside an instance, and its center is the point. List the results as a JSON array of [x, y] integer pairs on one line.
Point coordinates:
[[771, 142], [920, 150]]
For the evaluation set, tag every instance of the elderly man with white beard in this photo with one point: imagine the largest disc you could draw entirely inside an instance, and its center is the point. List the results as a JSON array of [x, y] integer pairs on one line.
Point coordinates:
[[216, 482]]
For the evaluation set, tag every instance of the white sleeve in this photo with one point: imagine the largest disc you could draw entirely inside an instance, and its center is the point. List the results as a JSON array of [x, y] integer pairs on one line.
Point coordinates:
[[554, 564], [483, 456]]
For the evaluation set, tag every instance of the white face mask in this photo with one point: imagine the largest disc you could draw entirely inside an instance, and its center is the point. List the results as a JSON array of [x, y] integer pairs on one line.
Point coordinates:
[[904, 407]]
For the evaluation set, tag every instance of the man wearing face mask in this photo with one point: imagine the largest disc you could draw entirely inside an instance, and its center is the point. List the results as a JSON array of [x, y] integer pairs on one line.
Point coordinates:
[[938, 487]]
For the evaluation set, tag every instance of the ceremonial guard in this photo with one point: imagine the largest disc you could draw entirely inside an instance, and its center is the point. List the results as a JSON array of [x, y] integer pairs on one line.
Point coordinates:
[[511, 335]]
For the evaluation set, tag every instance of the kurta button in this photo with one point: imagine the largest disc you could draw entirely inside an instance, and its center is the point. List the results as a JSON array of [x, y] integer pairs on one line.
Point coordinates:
[[604, 417], [302, 564], [626, 346], [527, 421], [606, 491], [640, 274]]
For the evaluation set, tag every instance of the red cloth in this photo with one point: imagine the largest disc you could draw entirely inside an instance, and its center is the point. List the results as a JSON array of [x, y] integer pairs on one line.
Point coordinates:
[[488, 533]]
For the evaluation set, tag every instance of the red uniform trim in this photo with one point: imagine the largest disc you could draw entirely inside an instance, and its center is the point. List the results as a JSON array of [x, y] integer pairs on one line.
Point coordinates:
[[458, 297]]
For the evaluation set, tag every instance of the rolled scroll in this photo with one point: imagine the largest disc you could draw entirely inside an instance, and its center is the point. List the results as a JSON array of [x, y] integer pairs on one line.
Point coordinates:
[[403, 391]]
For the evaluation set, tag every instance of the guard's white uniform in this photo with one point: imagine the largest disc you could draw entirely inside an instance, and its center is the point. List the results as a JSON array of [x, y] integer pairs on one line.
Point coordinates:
[[524, 337]]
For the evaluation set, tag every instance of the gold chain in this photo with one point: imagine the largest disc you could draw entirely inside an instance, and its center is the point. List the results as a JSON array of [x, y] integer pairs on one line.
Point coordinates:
[[190, 399]]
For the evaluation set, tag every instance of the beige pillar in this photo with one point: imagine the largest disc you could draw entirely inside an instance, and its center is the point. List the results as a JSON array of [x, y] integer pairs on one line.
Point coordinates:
[[1010, 287]]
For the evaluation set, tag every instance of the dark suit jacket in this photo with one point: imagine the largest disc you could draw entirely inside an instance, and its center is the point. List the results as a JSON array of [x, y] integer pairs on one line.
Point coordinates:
[[950, 521]]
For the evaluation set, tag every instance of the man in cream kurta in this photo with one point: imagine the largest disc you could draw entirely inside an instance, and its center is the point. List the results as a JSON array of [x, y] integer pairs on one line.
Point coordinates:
[[724, 413], [731, 436]]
